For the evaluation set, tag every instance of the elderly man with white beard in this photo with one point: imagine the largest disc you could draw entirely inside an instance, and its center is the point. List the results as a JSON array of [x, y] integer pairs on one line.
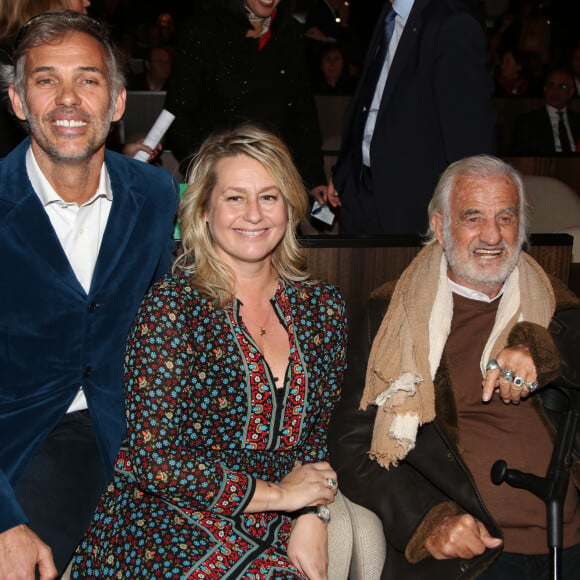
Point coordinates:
[[452, 382]]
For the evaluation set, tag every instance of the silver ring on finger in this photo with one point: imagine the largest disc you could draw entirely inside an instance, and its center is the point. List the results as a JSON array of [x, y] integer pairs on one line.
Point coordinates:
[[492, 365], [533, 386], [507, 374], [330, 483], [518, 382]]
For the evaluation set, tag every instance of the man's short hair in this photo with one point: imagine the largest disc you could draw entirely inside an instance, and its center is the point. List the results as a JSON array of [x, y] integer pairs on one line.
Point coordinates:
[[51, 26], [560, 69]]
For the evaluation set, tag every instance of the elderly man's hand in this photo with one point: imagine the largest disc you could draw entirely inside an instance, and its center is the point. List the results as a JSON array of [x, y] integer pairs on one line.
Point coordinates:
[[460, 537], [518, 360]]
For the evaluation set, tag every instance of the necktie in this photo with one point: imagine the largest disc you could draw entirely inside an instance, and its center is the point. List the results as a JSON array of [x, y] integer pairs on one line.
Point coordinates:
[[378, 59], [389, 27], [372, 77], [563, 134], [381, 53]]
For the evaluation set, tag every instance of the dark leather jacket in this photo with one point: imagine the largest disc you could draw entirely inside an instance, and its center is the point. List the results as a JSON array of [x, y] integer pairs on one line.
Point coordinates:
[[431, 482]]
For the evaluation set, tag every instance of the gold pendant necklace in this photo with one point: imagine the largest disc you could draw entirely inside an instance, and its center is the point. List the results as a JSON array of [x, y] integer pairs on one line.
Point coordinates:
[[262, 327]]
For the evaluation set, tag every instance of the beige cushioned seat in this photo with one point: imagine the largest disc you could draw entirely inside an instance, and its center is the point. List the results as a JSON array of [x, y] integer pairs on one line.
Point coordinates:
[[556, 208]]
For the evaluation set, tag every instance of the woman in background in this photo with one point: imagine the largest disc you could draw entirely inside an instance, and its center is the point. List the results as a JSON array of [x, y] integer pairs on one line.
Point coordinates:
[[510, 78], [233, 368], [244, 60]]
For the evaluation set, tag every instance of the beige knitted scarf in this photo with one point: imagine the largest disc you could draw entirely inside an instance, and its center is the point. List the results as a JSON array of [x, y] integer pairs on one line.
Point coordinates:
[[409, 344]]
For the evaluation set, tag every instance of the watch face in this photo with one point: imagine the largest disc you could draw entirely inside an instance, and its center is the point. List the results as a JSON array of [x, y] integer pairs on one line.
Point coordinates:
[[324, 513]]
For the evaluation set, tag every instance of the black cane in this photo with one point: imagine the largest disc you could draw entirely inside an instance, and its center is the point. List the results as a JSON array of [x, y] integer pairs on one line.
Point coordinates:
[[552, 488]]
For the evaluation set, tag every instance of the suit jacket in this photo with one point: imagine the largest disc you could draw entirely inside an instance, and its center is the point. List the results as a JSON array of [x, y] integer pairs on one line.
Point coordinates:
[[436, 108], [54, 337], [533, 132]]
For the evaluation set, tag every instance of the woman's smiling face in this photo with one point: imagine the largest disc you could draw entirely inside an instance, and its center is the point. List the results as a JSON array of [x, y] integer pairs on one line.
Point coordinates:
[[247, 215]]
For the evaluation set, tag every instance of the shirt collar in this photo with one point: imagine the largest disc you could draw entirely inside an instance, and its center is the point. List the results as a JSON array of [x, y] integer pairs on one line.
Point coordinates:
[[46, 192], [553, 112], [472, 294], [403, 8]]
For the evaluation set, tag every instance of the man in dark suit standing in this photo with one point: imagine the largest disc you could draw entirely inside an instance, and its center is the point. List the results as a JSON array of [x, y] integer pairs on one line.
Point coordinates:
[[423, 101], [84, 232], [554, 128]]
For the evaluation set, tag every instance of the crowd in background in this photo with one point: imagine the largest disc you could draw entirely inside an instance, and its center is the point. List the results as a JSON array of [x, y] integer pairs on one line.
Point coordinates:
[[525, 36], [526, 39]]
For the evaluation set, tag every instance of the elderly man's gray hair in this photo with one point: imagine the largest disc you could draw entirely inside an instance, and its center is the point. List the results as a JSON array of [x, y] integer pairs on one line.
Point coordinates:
[[478, 166]]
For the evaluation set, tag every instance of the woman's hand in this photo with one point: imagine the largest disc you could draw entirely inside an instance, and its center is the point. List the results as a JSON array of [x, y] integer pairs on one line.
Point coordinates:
[[308, 547], [307, 484]]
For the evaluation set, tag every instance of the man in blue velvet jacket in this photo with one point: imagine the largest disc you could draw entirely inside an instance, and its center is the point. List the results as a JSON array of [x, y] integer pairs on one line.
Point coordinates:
[[84, 232]]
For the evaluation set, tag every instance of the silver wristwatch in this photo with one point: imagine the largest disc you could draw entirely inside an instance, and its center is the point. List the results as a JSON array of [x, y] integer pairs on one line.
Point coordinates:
[[321, 511]]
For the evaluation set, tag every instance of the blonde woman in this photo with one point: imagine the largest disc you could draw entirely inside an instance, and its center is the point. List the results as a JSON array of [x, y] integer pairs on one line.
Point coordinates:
[[234, 365]]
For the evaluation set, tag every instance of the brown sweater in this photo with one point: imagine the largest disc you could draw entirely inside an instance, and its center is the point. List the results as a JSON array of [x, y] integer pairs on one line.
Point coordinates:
[[492, 431]]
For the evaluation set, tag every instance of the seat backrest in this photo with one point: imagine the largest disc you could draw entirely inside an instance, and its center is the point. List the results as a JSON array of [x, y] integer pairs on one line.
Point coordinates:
[[556, 206]]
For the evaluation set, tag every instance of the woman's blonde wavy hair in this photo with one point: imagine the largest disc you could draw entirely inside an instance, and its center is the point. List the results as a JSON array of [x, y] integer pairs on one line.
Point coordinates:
[[197, 254]]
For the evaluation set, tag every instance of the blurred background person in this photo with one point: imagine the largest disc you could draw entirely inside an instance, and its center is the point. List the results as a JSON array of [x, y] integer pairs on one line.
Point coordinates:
[[326, 22], [234, 365], [333, 75], [166, 25], [244, 61], [423, 100], [510, 78], [157, 70], [525, 26], [553, 128]]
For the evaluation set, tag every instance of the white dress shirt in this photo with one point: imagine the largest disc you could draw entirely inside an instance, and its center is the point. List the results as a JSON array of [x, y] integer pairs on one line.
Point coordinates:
[[471, 293], [403, 9], [79, 229], [554, 120]]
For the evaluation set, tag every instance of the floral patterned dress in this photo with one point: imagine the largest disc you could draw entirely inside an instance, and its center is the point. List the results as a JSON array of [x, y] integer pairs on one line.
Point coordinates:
[[204, 421]]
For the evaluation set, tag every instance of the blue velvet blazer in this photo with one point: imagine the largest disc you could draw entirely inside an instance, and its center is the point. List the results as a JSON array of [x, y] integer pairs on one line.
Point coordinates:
[[53, 336]]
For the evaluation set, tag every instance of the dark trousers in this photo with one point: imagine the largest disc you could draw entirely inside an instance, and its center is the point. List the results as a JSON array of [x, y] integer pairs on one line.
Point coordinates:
[[521, 567], [62, 484], [359, 213]]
